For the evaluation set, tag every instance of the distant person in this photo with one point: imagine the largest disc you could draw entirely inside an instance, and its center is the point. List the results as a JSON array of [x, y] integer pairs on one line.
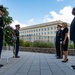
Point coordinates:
[[1, 30], [17, 41], [65, 41], [58, 42], [72, 31]]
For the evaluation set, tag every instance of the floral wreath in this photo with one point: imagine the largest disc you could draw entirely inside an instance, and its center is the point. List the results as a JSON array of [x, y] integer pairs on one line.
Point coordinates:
[[9, 36]]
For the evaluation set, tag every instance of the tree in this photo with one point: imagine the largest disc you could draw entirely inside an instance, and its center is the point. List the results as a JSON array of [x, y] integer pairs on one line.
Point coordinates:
[[7, 19], [9, 33]]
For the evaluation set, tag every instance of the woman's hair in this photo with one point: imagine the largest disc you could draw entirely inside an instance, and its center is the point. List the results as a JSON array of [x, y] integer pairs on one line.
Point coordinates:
[[73, 11], [65, 24]]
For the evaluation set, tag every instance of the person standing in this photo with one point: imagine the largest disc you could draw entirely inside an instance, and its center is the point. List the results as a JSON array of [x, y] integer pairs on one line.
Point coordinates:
[[65, 41], [1, 30], [58, 42], [17, 41], [72, 31]]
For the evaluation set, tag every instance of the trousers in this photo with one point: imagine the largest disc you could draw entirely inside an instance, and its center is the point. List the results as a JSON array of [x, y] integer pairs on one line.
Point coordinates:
[[17, 48], [1, 44]]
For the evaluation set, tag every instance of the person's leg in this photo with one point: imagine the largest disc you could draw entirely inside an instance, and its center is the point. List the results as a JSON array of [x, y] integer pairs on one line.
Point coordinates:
[[73, 66], [17, 49], [65, 47], [65, 55], [56, 49], [1, 44]]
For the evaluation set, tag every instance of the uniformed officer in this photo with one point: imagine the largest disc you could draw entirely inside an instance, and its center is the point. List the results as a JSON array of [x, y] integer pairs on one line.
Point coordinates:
[[1, 30], [17, 41], [59, 42]]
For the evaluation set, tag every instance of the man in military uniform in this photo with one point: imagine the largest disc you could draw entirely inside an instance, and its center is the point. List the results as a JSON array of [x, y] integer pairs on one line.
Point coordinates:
[[59, 42], [17, 41], [1, 30]]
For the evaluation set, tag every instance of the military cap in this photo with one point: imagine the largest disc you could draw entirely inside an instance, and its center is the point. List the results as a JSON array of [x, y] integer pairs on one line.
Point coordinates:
[[17, 25], [59, 26], [1, 8]]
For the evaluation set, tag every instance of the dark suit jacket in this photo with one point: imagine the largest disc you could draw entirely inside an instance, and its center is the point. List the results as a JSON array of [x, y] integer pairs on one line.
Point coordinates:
[[17, 35], [1, 25], [72, 30]]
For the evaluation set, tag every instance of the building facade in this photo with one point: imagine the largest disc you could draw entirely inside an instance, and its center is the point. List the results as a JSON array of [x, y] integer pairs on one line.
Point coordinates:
[[40, 32]]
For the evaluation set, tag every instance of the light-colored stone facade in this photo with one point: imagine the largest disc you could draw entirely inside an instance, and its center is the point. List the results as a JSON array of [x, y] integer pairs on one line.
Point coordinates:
[[44, 31]]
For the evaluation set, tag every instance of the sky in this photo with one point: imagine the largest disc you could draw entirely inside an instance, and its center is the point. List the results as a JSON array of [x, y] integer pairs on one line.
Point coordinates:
[[31, 12]]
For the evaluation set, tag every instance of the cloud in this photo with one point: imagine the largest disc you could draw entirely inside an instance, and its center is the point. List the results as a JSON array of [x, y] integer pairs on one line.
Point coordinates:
[[63, 15], [17, 22], [59, 0], [31, 21]]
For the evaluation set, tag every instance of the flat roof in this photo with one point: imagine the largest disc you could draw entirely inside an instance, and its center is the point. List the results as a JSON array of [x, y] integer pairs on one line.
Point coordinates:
[[42, 25]]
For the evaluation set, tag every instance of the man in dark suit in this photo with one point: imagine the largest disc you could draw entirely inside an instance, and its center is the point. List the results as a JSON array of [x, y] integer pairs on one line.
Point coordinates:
[[1, 30], [17, 41], [72, 31]]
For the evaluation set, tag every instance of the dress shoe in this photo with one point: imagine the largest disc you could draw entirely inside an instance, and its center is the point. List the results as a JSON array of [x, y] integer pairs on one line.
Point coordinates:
[[17, 57], [59, 57], [1, 65], [73, 66], [64, 61]]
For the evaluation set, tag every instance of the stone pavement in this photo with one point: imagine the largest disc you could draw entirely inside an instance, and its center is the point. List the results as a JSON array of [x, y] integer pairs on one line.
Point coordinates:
[[31, 63]]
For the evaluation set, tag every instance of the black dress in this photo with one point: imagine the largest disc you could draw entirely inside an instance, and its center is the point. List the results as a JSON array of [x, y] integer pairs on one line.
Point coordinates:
[[65, 47]]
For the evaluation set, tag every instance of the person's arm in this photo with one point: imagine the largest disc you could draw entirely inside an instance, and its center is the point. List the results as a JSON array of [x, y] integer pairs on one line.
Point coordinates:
[[61, 37]]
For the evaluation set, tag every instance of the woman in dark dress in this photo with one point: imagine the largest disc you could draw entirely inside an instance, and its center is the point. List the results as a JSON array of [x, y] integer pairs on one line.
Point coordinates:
[[65, 41]]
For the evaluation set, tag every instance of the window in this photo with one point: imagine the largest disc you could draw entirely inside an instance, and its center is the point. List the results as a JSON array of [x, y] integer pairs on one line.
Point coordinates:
[[48, 32], [48, 28], [51, 28], [45, 29], [39, 33], [54, 32], [34, 30], [51, 32], [39, 29], [45, 33], [55, 28]]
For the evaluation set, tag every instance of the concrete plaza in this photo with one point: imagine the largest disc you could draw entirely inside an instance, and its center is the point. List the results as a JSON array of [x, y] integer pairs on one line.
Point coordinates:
[[31, 63]]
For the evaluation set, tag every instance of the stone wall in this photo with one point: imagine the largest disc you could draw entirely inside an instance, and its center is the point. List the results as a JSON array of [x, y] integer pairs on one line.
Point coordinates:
[[42, 50]]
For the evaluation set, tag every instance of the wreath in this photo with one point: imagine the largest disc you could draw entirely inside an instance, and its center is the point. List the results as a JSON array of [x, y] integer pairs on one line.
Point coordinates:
[[9, 35]]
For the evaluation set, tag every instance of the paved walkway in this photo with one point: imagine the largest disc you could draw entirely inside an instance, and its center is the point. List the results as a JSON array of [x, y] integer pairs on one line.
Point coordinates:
[[35, 64]]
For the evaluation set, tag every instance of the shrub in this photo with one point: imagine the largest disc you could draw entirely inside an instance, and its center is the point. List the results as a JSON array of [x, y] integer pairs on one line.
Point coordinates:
[[71, 46], [35, 44], [21, 42], [27, 44], [42, 44], [51, 45]]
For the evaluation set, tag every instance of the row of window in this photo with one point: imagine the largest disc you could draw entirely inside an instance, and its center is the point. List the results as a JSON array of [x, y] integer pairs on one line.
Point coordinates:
[[36, 30], [44, 33]]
